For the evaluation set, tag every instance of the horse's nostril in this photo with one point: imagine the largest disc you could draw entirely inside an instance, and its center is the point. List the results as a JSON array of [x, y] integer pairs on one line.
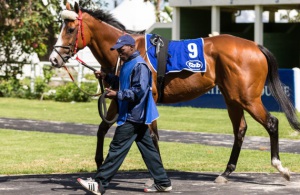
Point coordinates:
[[53, 61]]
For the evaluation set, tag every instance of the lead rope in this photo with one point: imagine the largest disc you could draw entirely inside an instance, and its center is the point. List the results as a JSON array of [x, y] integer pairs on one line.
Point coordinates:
[[102, 109], [117, 66], [72, 78]]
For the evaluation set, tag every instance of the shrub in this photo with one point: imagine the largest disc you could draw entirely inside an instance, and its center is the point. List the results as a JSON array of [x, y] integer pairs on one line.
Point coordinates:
[[65, 93], [70, 92], [14, 88]]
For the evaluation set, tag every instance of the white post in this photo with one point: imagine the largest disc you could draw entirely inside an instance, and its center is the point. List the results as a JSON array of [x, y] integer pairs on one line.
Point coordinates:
[[258, 25], [80, 73], [215, 19], [297, 88], [41, 71], [176, 24], [32, 77]]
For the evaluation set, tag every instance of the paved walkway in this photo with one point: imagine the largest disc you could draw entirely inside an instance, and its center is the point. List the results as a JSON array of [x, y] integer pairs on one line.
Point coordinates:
[[127, 183]]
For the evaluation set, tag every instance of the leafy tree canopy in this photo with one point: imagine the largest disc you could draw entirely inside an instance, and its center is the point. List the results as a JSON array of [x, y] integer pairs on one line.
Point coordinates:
[[26, 26], [30, 26]]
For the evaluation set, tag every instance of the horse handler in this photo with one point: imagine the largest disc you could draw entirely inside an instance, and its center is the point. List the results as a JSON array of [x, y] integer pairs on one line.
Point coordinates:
[[136, 109]]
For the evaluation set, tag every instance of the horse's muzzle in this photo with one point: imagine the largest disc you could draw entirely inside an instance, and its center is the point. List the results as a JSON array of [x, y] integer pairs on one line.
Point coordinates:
[[54, 62]]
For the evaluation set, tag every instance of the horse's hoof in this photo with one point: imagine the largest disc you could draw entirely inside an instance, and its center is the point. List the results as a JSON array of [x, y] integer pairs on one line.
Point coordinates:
[[286, 175], [149, 183], [221, 179]]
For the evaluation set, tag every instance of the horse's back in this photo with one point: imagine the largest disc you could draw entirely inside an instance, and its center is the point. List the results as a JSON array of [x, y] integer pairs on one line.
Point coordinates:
[[231, 46]]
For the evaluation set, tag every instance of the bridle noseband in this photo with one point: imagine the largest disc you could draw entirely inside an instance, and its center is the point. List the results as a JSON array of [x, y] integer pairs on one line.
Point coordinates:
[[70, 53], [70, 47]]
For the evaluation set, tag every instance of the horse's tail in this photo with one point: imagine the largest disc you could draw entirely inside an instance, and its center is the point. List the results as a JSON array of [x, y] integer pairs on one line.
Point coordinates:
[[277, 91]]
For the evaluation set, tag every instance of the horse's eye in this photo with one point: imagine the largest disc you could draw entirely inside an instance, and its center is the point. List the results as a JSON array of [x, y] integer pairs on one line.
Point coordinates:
[[70, 30]]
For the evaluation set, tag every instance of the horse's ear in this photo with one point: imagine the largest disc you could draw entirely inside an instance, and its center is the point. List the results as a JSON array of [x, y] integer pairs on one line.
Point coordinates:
[[68, 6], [76, 7]]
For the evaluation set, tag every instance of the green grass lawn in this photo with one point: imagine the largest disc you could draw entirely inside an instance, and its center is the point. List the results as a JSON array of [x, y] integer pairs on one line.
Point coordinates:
[[25, 152]]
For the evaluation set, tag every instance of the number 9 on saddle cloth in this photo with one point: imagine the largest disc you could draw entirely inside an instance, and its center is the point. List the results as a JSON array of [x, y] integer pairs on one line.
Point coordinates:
[[173, 56]]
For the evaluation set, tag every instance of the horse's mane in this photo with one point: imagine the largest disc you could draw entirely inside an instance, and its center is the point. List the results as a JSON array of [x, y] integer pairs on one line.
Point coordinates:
[[108, 18]]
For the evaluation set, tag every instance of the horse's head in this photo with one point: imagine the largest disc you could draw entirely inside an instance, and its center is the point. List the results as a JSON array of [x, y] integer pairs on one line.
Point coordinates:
[[71, 38]]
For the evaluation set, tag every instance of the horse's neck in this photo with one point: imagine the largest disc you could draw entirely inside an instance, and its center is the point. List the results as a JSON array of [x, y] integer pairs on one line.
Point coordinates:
[[103, 37]]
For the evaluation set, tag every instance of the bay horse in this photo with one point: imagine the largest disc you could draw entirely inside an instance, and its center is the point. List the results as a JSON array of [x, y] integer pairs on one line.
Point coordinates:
[[238, 66]]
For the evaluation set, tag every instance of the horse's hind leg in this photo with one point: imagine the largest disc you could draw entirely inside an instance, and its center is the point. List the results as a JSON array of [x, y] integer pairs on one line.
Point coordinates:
[[272, 128], [239, 124], [270, 123]]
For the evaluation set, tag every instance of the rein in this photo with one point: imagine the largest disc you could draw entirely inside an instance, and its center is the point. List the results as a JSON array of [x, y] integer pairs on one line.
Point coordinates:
[[101, 101], [72, 78], [102, 109], [72, 52]]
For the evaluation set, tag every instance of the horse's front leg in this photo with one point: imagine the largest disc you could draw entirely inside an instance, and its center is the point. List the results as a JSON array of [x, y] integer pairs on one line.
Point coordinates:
[[236, 115], [155, 137], [102, 130], [154, 134]]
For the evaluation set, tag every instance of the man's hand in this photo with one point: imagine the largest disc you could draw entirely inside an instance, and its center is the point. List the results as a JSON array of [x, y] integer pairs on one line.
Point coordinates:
[[99, 74], [111, 94]]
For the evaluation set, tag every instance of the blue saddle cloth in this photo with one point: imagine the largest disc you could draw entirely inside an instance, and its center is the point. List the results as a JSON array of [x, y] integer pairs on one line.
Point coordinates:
[[183, 55]]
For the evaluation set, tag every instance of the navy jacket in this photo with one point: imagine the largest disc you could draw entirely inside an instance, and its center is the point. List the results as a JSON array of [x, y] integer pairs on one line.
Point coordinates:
[[137, 94]]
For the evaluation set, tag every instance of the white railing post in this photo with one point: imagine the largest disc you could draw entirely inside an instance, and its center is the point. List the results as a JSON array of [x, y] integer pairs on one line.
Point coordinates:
[[32, 77], [80, 74], [297, 88]]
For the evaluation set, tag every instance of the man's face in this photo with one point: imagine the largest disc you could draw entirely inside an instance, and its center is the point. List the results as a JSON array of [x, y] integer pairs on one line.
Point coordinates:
[[125, 52]]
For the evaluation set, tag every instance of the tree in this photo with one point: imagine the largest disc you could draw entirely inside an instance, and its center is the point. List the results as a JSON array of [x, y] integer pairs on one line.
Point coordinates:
[[93, 4], [28, 27], [162, 14], [291, 19], [25, 28]]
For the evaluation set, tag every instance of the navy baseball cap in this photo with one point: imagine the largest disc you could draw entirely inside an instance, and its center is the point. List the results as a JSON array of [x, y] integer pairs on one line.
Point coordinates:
[[123, 40]]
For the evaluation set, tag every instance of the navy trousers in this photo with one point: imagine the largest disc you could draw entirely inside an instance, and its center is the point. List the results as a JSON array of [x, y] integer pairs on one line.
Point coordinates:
[[124, 136]]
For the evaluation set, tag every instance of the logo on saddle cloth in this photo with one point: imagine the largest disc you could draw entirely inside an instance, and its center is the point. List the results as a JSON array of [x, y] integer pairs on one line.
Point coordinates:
[[194, 64], [183, 55]]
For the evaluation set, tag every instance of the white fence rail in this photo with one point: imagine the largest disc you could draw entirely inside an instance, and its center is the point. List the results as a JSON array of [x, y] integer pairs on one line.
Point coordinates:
[[36, 70]]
